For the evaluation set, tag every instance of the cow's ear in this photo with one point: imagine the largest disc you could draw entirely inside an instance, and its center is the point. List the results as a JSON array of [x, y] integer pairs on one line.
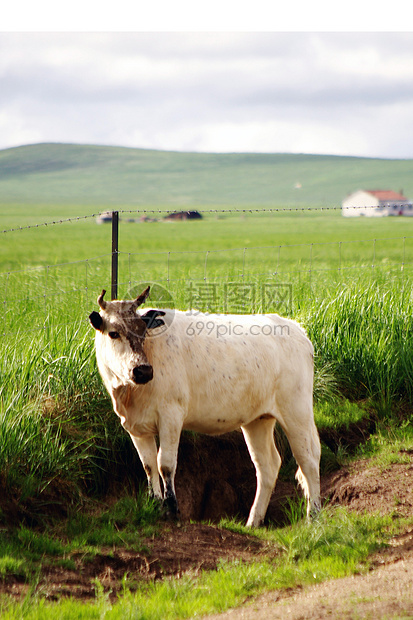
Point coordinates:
[[152, 320], [96, 321]]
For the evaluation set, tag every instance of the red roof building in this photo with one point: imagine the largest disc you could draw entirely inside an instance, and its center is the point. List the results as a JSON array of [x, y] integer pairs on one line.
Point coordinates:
[[385, 195], [376, 203]]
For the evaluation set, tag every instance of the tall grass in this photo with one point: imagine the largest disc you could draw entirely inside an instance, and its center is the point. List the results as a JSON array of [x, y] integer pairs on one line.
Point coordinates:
[[56, 421], [57, 432], [364, 333]]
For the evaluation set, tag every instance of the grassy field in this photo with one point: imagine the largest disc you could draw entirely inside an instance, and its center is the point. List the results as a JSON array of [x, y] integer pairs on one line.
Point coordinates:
[[53, 180], [290, 241], [348, 281], [343, 279]]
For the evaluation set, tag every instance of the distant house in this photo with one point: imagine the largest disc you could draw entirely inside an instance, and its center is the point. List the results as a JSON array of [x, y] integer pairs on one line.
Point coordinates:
[[376, 203], [184, 215]]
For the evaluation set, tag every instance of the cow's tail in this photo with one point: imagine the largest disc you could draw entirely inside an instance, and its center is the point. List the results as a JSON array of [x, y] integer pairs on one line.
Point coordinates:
[[302, 481]]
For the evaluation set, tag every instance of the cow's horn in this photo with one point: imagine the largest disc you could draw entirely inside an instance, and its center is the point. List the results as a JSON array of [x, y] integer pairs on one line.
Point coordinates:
[[101, 302], [141, 298]]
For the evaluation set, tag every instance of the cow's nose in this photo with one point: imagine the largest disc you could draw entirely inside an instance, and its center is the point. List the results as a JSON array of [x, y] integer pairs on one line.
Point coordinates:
[[142, 374]]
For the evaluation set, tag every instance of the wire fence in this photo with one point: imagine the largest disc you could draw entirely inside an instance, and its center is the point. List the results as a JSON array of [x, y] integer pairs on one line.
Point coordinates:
[[212, 279], [346, 210]]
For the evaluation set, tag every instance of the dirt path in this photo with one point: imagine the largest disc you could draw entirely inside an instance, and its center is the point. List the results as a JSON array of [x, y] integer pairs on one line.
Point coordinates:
[[387, 590]]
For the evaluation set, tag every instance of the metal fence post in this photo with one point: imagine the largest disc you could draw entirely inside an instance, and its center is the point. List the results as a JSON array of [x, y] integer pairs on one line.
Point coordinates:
[[115, 245]]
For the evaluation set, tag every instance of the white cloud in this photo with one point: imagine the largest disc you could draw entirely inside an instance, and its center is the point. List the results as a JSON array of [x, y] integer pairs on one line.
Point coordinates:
[[341, 93], [15, 131], [272, 136]]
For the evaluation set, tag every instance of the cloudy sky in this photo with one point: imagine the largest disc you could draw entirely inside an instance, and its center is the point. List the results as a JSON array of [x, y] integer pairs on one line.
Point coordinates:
[[345, 93]]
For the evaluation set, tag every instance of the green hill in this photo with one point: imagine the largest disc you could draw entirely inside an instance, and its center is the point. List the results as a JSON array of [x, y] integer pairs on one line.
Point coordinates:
[[66, 179]]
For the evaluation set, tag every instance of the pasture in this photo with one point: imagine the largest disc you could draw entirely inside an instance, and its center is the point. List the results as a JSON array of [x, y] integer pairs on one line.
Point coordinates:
[[70, 179], [64, 457]]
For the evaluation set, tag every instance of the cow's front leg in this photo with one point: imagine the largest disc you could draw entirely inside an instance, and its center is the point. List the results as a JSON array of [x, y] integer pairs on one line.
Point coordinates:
[[147, 450], [169, 435]]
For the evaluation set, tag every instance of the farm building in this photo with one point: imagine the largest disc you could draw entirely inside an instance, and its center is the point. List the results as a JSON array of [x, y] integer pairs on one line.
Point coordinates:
[[104, 218], [376, 203], [183, 215]]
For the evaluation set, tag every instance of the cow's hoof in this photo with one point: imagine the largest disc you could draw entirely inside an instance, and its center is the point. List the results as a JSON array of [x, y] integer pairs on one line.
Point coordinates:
[[170, 510], [172, 515]]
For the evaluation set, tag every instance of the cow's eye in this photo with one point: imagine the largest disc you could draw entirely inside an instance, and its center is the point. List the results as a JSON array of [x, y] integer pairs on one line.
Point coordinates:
[[113, 335]]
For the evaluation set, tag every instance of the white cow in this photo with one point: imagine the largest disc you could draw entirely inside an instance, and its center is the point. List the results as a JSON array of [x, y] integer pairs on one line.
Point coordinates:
[[168, 370]]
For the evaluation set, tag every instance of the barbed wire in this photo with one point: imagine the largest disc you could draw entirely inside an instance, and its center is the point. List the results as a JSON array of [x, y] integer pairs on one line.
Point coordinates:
[[242, 211], [52, 223]]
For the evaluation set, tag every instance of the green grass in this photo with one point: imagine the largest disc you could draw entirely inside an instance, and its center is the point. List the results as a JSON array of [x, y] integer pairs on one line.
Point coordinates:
[[123, 524], [365, 335], [293, 241], [338, 413], [27, 552], [43, 395], [391, 443]]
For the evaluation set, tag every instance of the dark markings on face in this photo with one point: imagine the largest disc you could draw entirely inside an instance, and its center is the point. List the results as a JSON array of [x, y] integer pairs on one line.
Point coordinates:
[[123, 321], [135, 334]]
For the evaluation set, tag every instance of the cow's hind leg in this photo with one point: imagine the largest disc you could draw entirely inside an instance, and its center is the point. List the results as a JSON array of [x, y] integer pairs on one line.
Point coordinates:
[[147, 450], [259, 437], [303, 438]]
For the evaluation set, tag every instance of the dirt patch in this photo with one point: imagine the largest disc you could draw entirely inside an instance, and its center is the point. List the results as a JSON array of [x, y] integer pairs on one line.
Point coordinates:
[[225, 480], [364, 488], [177, 550]]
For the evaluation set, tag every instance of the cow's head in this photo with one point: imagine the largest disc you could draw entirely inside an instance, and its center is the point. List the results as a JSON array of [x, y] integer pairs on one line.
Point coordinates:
[[120, 336]]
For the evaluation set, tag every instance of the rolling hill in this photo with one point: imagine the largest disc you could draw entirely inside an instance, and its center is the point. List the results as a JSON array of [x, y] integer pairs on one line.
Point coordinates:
[[75, 179]]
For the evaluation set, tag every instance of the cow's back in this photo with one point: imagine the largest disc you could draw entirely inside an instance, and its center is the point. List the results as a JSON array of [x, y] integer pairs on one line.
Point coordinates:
[[227, 368]]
